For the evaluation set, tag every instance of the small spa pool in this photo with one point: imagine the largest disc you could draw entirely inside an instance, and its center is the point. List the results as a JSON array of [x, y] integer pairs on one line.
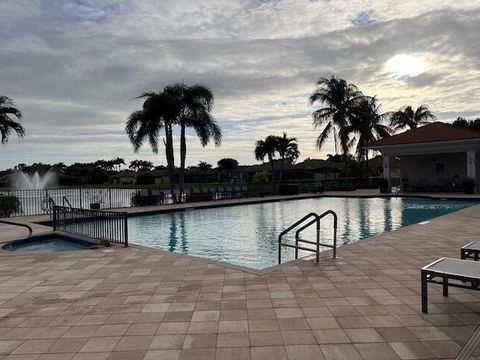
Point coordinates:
[[47, 244]]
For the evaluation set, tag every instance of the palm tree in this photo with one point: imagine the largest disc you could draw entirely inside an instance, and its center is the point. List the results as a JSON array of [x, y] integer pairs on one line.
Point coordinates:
[[367, 125], [7, 125], [117, 163], [338, 98], [287, 149], [267, 148], [196, 104], [160, 111], [407, 117]]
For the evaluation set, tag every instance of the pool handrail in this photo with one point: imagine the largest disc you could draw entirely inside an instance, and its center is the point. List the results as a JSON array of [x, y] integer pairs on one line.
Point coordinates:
[[30, 230], [290, 228], [65, 200], [316, 220]]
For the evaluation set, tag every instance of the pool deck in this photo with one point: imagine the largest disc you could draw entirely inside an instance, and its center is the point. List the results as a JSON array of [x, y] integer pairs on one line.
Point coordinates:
[[137, 303]]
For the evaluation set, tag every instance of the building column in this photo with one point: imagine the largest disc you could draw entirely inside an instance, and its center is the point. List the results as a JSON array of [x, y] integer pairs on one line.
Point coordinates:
[[386, 171], [471, 165]]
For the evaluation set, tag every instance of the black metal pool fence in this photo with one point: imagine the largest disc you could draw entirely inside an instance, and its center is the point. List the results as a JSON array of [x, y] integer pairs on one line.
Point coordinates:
[[111, 226], [41, 201]]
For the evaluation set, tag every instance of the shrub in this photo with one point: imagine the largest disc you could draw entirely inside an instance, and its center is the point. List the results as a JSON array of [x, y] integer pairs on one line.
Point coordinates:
[[383, 185], [260, 177], [142, 200], [9, 205], [469, 185]]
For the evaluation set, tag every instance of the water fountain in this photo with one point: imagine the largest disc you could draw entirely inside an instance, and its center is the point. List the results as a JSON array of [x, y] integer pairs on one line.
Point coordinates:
[[22, 181]]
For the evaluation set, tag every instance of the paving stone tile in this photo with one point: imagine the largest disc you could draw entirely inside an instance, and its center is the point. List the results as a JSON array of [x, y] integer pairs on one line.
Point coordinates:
[[340, 352], [268, 353], [232, 353], [200, 341], [331, 336], [266, 338], [367, 335], [100, 344], [161, 342], [197, 354], [233, 340], [376, 351], [304, 352], [411, 350]]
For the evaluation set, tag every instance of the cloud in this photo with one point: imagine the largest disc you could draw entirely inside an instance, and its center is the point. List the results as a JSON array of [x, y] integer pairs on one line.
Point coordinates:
[[73, 67]]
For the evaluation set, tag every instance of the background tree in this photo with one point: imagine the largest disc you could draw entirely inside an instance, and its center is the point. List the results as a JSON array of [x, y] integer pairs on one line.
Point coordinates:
[[367, 125], [267, 148], [7, 124], [226, 165], [338, 99], [287, 149], [136, 165], [159, 111], [196, 103], [407, 117], [204, 168], [468, 124], [117, 163]]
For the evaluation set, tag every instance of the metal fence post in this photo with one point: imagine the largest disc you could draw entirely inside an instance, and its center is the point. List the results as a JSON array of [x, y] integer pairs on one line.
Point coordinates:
[[125, 224], [110, 196], [54, 225], [80, 194]]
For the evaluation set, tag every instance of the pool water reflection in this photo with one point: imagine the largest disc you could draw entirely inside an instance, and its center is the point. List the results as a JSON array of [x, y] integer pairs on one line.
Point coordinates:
[[247, 235]]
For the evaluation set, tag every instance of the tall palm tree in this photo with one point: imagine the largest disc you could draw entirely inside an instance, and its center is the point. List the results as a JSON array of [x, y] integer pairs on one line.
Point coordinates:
[[159, 111], [407, 117], [338, 98], [7, 124], [196, 104], [367, 123], [267, 148], [287, 149]]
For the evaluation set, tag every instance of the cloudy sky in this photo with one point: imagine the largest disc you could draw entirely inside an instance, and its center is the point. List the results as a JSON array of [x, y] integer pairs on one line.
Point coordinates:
[[73, 67]]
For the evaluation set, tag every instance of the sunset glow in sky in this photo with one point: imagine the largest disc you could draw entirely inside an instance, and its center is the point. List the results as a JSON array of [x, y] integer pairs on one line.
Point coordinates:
[[74, 66]]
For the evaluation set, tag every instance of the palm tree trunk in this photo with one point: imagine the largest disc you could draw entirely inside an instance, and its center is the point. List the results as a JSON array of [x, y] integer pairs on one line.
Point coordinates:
[[183, 155], [366, 163], [346, 167], [282, 162], [270, 159], [170, 159]]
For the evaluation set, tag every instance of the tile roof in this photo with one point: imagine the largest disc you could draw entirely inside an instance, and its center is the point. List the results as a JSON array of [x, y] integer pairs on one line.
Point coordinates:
[[436, 131]]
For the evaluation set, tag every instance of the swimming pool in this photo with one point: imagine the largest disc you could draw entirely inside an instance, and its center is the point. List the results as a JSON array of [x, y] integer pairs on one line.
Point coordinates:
[[247, 235]]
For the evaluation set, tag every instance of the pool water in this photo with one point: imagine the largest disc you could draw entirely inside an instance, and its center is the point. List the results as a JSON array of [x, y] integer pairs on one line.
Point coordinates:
[[47, 244], [247, 235]]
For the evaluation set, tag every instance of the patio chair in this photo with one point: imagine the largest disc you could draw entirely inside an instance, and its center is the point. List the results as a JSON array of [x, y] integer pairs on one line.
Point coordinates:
[[443, 270], [470, 251]]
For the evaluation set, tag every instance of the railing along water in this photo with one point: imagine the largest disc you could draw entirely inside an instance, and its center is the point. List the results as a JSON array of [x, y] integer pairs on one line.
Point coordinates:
[[111, 226]]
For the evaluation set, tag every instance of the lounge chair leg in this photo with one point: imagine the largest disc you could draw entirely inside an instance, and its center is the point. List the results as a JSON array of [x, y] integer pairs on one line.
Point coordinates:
[[424, 293], [445, 286], [462, 254]]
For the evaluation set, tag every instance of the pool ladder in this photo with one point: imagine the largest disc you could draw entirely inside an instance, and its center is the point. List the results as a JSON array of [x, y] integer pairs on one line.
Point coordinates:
[[302, 224]]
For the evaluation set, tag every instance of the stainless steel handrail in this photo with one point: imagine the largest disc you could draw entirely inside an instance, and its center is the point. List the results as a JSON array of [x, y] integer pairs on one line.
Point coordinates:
[[65, 200], [30, 231], [316, 220], [290, 228]]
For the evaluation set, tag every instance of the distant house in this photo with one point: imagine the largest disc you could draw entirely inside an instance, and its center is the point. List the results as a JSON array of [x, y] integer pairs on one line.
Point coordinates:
[[125, 177], [434, 157], [141, 177], [309, 169]]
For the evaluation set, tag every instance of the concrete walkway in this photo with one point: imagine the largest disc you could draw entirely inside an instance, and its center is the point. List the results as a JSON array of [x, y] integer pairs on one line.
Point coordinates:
[[134, 303]]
